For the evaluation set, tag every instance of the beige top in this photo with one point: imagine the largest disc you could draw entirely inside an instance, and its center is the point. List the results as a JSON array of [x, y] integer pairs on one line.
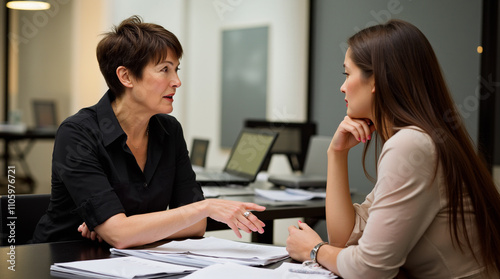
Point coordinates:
[[403, 223]]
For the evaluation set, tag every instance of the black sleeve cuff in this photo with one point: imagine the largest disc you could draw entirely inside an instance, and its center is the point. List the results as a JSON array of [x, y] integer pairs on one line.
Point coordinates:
[[98, 209]]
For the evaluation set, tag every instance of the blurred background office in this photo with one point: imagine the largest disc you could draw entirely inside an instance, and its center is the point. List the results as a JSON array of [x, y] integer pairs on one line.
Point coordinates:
[[51, 56]]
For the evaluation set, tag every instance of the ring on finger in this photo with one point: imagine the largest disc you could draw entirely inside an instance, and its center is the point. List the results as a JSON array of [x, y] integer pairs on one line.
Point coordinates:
[[246, 214]]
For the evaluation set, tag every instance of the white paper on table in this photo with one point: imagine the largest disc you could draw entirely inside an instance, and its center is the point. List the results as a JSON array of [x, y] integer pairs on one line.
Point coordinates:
[[316, 194], [286, 270], [282, 195], [121, 267], [211, 249], [231, 271], [180, 259]]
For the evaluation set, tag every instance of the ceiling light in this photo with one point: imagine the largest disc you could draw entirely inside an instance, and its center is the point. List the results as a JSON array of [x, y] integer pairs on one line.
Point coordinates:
[[28, 5]]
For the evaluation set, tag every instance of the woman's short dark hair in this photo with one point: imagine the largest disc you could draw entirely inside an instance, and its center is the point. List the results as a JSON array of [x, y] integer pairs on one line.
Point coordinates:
[[133, 44]]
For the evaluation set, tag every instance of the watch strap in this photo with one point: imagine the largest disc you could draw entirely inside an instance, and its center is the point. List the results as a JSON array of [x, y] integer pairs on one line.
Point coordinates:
[[314, 251]]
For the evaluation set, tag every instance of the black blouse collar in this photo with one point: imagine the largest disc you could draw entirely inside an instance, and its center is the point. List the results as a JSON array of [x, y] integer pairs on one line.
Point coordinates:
[[108, 123], [110, 127]]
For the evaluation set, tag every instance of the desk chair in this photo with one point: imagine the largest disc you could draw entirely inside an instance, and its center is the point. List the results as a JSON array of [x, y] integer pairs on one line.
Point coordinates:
[[28, 209], [293, 140]]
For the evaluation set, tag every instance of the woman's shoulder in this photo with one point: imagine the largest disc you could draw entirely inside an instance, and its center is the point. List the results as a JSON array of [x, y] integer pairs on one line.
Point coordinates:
[[85, 117], [410, 138]]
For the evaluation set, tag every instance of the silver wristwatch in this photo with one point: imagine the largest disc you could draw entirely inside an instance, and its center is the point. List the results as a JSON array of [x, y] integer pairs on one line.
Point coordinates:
[[314, 251]]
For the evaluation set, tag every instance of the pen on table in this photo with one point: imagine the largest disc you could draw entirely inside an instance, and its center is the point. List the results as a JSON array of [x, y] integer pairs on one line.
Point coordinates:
[[298, 270]]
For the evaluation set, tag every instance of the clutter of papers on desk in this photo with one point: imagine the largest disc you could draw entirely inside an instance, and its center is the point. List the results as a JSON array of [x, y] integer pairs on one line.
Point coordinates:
[[202, 258]]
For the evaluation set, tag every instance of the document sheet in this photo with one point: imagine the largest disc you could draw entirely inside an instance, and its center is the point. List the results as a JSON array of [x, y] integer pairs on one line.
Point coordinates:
[[207, 251], [286, 270], [119, 267]]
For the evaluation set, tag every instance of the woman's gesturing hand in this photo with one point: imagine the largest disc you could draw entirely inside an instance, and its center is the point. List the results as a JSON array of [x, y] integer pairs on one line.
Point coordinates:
[[351, 132], [235, 215]]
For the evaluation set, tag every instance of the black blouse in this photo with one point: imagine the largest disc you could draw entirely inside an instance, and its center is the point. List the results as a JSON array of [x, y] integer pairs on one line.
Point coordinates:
[[95, 175]]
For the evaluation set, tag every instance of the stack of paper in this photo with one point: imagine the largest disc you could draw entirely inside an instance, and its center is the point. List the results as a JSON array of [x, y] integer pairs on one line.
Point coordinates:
[[208, 251], [120, 267]]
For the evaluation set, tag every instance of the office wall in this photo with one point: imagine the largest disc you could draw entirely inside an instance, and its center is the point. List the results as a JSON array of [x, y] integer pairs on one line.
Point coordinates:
[[40, 64], [453, 28], [86, 81], [287, 54]]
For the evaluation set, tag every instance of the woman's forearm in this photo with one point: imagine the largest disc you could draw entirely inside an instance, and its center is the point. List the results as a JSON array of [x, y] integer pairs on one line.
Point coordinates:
[[340, 215], [121, 231]]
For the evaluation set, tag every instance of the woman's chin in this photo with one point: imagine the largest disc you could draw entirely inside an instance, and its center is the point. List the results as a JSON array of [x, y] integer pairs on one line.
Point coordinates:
[[166, 110]]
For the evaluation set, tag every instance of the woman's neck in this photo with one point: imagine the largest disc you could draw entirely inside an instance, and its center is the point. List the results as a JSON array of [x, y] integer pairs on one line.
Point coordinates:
[[133, 123]]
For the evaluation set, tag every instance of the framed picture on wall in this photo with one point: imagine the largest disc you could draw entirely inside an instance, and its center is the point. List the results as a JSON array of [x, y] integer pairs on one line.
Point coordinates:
[[44, 112]]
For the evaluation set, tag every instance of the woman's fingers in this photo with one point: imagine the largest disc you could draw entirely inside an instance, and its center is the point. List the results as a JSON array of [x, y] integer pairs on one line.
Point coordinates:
[[87, 233], [251, 223], [361, 129], [350, 133], [235, 228], [237, 215], [357, 128]]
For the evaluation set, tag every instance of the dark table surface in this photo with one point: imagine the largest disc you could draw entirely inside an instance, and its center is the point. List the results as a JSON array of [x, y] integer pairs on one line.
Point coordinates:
[[34, 260]]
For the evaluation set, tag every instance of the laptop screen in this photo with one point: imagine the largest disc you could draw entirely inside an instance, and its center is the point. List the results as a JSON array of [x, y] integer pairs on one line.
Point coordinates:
[[250, 151]]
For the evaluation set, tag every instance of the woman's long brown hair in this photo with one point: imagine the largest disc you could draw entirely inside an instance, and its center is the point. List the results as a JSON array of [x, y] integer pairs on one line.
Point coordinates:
[[410, 90]]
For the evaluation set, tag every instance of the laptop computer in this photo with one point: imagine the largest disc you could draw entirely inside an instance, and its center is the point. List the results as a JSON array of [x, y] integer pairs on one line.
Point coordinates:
[[245, 161], [315, 167]]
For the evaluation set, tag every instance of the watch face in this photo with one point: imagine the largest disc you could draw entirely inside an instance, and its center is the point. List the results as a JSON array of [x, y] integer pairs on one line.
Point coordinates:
[[314, 251]]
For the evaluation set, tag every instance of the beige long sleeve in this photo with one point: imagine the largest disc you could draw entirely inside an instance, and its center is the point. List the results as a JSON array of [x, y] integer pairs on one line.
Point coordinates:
[[403, 221]]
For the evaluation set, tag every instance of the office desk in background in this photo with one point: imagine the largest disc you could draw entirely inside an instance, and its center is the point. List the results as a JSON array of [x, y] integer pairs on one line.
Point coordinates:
[[13, 151], [34, 260], [310, 210]]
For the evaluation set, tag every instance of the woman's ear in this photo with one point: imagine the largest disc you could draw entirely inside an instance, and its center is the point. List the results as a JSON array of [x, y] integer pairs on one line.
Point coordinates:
[[124, 76], [372, 83]]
